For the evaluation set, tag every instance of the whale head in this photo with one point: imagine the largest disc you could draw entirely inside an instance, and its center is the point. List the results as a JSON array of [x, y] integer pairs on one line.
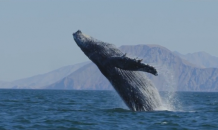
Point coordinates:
[[93, 47], [86, 43], [83, 41]]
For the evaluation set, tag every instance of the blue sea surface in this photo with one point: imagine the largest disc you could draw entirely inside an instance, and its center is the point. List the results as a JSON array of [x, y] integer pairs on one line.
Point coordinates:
[[103, 110]]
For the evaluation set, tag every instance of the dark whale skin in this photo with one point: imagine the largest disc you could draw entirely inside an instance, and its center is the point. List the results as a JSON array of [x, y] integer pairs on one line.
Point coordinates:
[[123, 73]]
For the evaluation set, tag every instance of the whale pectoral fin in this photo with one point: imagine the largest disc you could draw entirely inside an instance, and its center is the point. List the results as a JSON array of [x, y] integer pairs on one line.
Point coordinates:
[[127, 63], [149, 69]]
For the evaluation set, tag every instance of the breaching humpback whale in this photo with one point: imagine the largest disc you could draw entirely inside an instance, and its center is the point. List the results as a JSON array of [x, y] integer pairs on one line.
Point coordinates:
[[122, 72]]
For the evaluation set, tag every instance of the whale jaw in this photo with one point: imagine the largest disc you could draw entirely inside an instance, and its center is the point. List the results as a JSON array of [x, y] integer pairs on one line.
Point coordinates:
[[80, 39]]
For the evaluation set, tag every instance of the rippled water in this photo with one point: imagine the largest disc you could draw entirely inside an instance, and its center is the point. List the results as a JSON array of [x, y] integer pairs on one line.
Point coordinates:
[[60, 109]]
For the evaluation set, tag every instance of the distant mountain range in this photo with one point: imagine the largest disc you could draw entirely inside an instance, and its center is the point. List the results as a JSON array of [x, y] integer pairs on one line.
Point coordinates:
[[202, 59], [86, 77], [39, 81], [177, 72]]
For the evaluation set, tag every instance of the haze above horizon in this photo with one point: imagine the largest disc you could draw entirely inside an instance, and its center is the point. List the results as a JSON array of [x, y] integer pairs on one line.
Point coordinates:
[[36, 36]]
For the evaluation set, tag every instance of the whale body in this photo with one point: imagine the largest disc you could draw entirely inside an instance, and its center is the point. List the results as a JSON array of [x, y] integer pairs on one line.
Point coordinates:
[[124, 73]]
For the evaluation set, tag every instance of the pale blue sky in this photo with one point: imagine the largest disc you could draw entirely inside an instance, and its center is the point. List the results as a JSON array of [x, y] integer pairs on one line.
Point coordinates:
[[36, 35]]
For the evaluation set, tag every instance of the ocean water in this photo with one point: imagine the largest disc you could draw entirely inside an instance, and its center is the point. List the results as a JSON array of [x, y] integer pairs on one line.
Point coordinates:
[[103, 110]]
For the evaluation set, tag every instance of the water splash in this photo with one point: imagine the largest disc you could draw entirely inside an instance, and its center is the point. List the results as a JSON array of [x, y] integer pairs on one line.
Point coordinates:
[[170, 100]]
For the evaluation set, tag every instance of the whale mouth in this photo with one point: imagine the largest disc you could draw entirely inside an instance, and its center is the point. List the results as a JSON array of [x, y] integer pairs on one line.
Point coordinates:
[[76, 33], [82, 40], [78, 37]]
